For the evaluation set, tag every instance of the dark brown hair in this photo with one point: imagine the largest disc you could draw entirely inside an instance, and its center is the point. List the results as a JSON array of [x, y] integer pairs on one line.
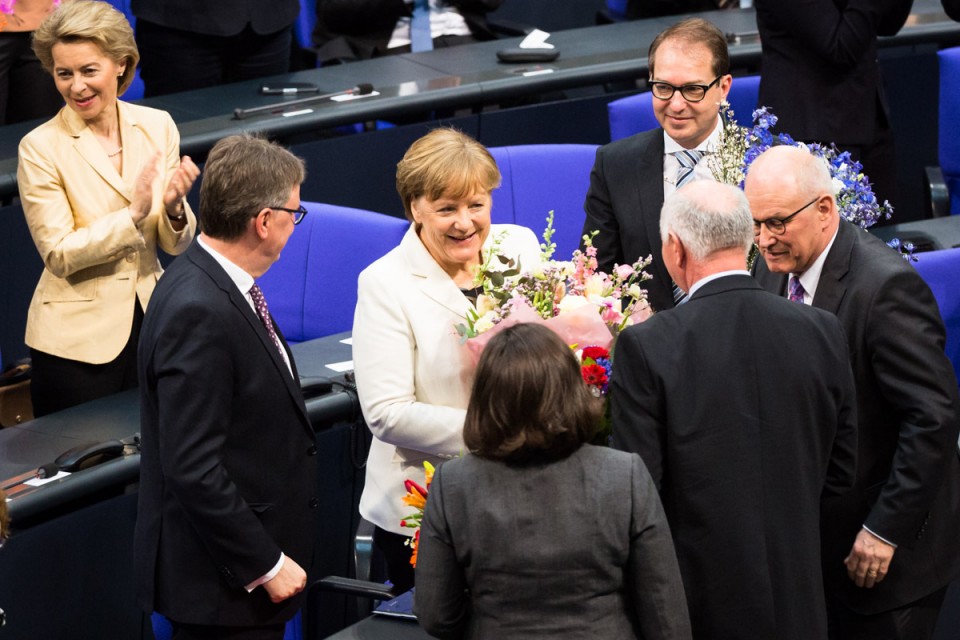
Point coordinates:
[[694, 31], [529, 402]]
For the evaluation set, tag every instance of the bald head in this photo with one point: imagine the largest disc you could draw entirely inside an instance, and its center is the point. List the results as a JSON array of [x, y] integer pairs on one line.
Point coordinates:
[[792, 199], [707, 217]]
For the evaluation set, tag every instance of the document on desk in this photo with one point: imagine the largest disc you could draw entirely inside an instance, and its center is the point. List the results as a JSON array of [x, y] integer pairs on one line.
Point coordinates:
[[341, 367], [399, 607]]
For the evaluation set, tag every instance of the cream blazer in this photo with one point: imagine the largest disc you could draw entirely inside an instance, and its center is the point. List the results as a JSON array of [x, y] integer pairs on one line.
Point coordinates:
[[413, 375], [97, 262]]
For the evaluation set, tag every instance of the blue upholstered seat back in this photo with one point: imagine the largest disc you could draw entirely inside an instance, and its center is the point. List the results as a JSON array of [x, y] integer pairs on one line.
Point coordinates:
[[634, 114], [312, 288], [538, 178], [941, 270], [949, 143]]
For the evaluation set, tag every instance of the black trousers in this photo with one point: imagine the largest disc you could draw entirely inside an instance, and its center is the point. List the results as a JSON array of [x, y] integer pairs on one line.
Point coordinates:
[[204, 632], [173, 60], [396, 553], [26, 90], [59, 383], [915, 621]]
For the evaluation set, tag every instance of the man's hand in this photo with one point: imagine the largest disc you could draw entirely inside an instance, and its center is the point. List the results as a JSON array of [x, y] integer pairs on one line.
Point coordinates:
[[869, 559], [289, 582]]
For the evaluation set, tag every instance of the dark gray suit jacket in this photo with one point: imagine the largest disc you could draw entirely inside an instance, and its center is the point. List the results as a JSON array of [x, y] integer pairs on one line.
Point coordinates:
[[742, 406], [577, 548], [908, 473], [228, 469], [623, 204]]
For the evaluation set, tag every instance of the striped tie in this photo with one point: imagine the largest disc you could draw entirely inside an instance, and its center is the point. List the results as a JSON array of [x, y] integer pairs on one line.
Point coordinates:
[[688, 159]]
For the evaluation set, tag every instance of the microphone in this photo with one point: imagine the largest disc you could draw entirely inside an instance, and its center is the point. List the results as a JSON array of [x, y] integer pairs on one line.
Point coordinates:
[[359, 90]]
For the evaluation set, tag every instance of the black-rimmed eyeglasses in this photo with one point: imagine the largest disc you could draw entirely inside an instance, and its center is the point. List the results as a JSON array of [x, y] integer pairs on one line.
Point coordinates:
[[777, 226], [298, 213], [690, 92]]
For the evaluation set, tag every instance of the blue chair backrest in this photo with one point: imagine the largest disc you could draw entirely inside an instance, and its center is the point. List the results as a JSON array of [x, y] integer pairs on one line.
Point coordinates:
[[163, 630], [312, 288], [303, 27], [538, 178], [617, 8], [634, 114], [949, 146], [941, 271]]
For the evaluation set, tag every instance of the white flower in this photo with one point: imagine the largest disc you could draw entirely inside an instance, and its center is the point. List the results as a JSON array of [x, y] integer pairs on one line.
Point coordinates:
[[484, 322], [634, 291], [485, 304], [569, 303], [594, 285]]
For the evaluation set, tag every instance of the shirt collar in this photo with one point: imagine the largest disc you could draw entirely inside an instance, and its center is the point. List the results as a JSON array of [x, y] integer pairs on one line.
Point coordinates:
[[811, 277], [714, 276]]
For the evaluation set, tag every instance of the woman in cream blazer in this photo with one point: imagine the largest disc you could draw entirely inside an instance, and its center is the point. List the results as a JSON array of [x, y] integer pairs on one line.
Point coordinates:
[[102, 185], [413, 374]]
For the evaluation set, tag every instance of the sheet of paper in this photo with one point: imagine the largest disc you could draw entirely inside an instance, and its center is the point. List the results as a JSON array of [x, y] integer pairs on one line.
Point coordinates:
[[36, 482], [536, 39], [340, 367]]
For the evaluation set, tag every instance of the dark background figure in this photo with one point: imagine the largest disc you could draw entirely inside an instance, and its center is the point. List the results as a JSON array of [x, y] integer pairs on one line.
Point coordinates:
[[742, 406], [889, 544], [821, 78], [653, 8], [192, 44], [26, 92], [535, 533], [228, 473], [102, 185], [951, 8], [349, 30]]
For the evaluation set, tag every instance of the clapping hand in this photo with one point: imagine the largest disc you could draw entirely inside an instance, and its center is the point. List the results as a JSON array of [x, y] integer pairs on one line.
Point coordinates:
[[179, 185]]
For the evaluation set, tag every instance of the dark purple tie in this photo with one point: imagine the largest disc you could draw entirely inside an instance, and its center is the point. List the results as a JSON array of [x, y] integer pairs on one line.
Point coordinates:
[[260, 304], [796, 290]]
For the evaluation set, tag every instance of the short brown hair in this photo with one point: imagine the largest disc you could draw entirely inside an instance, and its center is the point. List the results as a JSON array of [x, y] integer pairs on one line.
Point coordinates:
[[96, 22], [695, 31], [445, 163], [529, 401], [243, 175]]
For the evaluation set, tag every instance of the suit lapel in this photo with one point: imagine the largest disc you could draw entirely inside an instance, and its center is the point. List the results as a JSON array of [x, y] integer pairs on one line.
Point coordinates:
[[830, 288], [206, 262], [86, 145], [650, 190], [434, 281]]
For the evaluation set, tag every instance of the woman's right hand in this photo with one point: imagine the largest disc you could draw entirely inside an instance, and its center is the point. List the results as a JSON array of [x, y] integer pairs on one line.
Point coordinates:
[[143, 189]]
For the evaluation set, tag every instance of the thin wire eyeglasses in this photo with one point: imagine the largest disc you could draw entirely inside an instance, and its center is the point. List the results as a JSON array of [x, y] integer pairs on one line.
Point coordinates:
[[298, 213], [777, 226], [690, 92]]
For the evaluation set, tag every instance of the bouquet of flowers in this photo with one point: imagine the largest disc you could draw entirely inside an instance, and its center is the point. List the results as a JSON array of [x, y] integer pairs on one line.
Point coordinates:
[[581, 304], [417, 498], [740, 146]]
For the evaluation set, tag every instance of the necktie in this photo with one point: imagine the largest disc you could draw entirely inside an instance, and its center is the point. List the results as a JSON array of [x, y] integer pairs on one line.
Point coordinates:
[[260, 304], [420, 37], [796, 290], [688, 159]]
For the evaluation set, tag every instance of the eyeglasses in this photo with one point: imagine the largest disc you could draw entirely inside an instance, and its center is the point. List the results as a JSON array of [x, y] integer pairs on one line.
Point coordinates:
[[690, 92], [298, 213], [777, 226]]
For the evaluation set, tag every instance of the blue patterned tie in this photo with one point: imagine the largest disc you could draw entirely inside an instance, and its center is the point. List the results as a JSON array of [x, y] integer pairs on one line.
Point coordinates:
[[420, 37], [796, 290], [688, 159]]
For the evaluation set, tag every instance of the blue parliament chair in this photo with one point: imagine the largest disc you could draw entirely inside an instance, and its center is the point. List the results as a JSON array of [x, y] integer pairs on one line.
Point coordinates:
[[634, 114], [540, 178], [312, 288], [942, 186], [163, 630], [941, 271]]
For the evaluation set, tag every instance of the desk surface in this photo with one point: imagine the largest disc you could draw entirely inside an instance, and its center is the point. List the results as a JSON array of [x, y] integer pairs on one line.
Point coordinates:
[[27, 446], [464, 76]]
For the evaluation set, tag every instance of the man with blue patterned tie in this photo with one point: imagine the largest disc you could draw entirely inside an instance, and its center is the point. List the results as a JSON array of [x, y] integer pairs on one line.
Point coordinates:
[[689, 77]]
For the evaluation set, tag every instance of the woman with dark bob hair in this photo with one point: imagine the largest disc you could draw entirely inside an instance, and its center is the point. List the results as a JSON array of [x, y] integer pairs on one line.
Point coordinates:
[[535, 533], [102, 186]]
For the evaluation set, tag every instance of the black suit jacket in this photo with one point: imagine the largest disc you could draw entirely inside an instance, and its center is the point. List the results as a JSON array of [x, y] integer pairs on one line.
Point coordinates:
[[623, 204], [361, 29], [228, 466], [951, 8], [908, 477], [219, 17], [820, 72], [742, 406]]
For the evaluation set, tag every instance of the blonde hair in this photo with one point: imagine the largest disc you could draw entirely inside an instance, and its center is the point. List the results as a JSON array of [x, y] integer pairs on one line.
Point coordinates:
[[445, 163], [89, 21]]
